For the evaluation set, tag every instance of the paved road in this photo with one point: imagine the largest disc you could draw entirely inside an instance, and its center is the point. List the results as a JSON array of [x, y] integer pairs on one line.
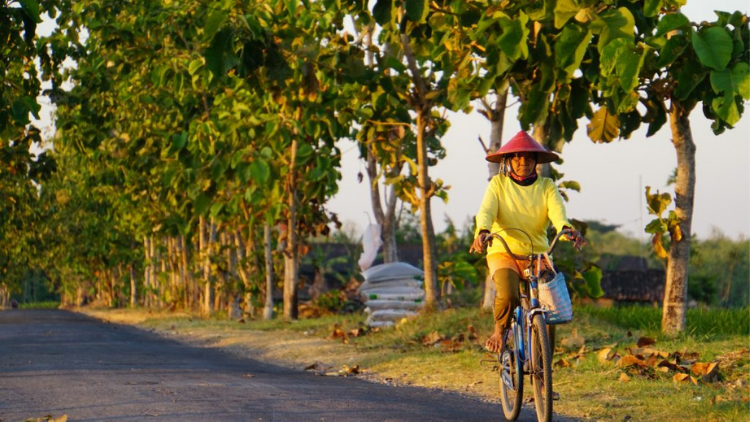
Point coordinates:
[[57, 362]]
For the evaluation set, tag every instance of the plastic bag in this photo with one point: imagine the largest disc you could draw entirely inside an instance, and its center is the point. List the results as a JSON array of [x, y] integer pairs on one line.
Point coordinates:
[[371, 242], [554, 297]]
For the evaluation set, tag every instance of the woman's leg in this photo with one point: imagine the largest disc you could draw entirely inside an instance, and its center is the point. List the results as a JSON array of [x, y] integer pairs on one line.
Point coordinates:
[[506, 300]]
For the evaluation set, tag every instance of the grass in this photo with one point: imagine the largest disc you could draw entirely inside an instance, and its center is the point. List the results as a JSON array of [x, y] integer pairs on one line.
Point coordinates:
[[40, 305], [590, 389]]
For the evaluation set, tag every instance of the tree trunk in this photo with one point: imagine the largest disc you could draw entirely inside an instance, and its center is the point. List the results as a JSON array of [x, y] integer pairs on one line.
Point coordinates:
[[207, 234], [429, 251], [497, 121], [675, 293], [268, 308], [133, 286], [146, 273], [386, 219], [243, 273], [290, 254]]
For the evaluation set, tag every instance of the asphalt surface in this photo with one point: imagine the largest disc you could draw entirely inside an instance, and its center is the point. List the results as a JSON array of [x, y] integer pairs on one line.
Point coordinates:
[[61, 363]]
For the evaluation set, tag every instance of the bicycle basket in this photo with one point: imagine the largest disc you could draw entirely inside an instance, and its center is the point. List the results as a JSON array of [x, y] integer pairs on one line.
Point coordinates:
[[555, 299]]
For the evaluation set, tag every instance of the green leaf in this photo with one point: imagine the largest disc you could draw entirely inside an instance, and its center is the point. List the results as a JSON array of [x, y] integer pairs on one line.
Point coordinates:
[[304, 153], [658, 202], [178, 142], [260, 171], [614, 24], [673, 48], [652, 7], [692, 74], [655, 226], [572, 185], [656, 115], [604, 126], [628, 66], [395, 64], [216, 209], [194, 66], [513, 41], [31, 9], [713, 47], [417, 10], [201, 204], [564, 10], [735, 81], [571, 47], [382, 12], [670, 22], [214, 22], [593, 277]]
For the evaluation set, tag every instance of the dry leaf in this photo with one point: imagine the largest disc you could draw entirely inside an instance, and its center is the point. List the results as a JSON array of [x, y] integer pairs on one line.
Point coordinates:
[[562, 363], [669, 365], [432, 338], [662, 369], [472, 332], [694, 381], [630, 360], [624, 377], [645, 341], [680, 377], [450, 345], [605, 355], [346, 371], [337, 333]]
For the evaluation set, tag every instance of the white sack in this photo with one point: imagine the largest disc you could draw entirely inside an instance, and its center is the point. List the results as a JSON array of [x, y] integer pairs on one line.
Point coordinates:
[[378, 304], [371, 242], [393, 270], [390, 315], [387, 284], [394, 296]]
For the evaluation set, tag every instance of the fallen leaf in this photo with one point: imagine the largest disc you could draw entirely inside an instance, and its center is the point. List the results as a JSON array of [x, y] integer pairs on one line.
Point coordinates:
[[694, 381], [669, 365], [472, 332], [645, 341], [630, 360], [248, 376], [337, 333], [346, 370], [432, 338], [605, 355], [680, 377], [629, 333], [450, 345], [358, 332], [562, 363], [623, 377], [662, 369]]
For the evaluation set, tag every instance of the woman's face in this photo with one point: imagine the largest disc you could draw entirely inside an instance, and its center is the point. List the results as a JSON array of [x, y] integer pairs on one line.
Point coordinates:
[[523, 163]]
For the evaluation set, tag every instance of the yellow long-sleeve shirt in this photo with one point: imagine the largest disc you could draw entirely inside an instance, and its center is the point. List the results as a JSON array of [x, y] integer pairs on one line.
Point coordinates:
[[532, 208]]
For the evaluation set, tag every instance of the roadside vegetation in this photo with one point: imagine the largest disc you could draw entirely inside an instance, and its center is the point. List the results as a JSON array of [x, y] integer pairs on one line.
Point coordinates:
[[603, 366]]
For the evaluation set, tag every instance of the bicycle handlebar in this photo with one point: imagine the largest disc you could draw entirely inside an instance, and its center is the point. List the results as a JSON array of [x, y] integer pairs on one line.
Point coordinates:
[[520, 257]]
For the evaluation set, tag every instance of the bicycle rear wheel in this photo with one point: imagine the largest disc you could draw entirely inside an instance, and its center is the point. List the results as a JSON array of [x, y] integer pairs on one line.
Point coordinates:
[[511, 375], [541, 369]]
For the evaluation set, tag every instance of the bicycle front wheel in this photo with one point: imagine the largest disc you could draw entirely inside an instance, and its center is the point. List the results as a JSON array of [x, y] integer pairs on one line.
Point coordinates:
[[541, 369], [511, 376]]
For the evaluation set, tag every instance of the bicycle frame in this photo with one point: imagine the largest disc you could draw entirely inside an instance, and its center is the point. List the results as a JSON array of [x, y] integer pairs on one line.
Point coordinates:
[[531, 275]]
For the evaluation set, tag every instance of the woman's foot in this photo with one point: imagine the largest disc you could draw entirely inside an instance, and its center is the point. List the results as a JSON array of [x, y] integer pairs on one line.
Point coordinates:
[[495, 343]]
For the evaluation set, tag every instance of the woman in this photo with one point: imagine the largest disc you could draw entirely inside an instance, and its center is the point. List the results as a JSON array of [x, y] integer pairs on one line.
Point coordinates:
[[517, 198]]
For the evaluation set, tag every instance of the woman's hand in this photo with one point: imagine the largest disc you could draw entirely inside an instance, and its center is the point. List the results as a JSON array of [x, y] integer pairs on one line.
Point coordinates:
[[478, 244], [576, 237]]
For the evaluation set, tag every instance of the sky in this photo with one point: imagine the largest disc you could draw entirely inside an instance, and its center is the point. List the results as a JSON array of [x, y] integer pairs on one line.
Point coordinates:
[[613, 177]]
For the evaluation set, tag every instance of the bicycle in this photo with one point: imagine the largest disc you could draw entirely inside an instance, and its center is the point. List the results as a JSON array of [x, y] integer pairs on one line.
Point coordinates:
[[526, 347]]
